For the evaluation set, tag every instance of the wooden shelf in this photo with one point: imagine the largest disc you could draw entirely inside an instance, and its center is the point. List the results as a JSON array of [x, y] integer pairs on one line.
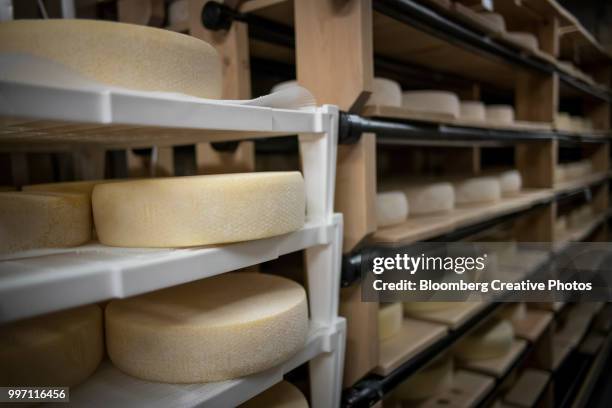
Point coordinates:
[[528, 388], [453, 317], [413, 337], [419, 228], [392, 112], [499, 366], [469, 389], [533, 325]]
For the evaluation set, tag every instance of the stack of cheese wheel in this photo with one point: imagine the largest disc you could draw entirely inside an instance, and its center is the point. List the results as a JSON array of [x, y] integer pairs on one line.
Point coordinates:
[[490, 340], [510, 182], [282, 395], [391, 208], [472, 110], [215, 329], [59, 349], [437, 102], [198, 210], [428, 382], [477, 190], [390, 317], [499, 114], [430, 197], [124, 55], [527, 40], [385, 92], [30, 220]]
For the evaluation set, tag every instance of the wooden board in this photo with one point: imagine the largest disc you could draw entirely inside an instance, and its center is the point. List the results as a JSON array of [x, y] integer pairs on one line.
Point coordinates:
[[453, 317], [568, 186], [528, 388], [533, 325], [499, 366], [592, 344], [413, 337], [468, 390], [394, 112], [418, 228]]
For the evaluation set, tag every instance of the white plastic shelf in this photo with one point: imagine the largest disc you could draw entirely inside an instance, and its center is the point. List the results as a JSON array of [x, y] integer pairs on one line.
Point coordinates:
[[39, 116], [43, 281], [109, 387]]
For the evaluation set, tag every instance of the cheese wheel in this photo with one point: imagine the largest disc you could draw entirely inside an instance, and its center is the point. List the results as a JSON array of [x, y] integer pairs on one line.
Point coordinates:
[[527, 40], [59, 349], [500, 114], [178, 13], [391, 208], [510, 183], [215, 329], [514, 312], [43, 220], [416, 308], [563, 121], [442, 102], [198, 210], [430, 198], [390, 317], [428, 382], [125, 55], [477, 190], [491, 340], [495, 19], [282, 395], [472, 110], [385, 92], [83, 187]]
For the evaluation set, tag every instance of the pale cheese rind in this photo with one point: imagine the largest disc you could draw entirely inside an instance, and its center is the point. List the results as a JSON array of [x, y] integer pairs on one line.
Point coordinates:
[[59, 349], [385, 92], [478, 190], [118, 54], [472, 110], [282, 395], [500, 114], [510, 182], [198, 210], [441, 102], [391, 208], [215, 329], [30, 220], [429, 198]]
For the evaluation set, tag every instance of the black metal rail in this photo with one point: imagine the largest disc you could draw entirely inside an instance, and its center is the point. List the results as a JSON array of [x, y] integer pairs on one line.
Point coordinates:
[[216, 16]]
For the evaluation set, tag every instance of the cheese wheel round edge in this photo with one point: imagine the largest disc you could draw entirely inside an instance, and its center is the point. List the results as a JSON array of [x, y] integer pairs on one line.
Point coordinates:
[[391, 208], [198, 210], [472, 110], [499, 114], [60, 349], [442, 102], [385, 92], [477, 190], [113, 53], [430, 198], [215, 329], [36, 219]]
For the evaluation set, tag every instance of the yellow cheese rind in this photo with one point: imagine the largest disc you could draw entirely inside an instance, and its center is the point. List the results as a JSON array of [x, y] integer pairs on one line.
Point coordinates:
[[442, 102], [428, 382], [125, 55], [391, 208], [472, 110], [198, 210], [390, 317], [478, 190], [500, 114], [43, 220], [430, 198], [59, 349], [282, 395], [215, 329], [493, 339], [385, 92]]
